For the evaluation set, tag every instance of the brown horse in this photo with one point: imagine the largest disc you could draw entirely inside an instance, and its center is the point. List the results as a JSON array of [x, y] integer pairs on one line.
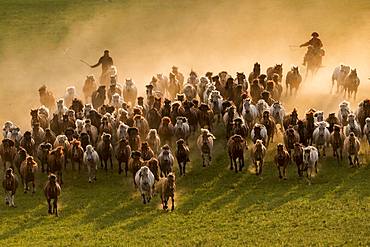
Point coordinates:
[[52, 191], [135, 163], [291, 136], [351, 83], [292, 81], [134, 139], [10, 185], [337, 141], [8, 151], [236, 146], [153, 165], [28, 171], [105, 151], [42, 154], [56, 163], [270, 125], [258, 153], [19, 158], [77, 154], [166, 131], [282, 160], [297, 157], [123, 153], [146, 152], [182, 155], [166, 189]]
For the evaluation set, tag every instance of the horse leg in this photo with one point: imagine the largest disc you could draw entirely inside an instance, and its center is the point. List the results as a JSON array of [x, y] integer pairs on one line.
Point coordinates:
[[241, 159], [33, 187], [7, 197], [260, 168], [231, 162], [56, 207], [285, 173], [323, 151], [280, 176], [126, 167], [184, 166], [12, 200], [49, 205], [180, 168], [25, 186], [356, 161], [203, 158], [350, 161], [143, 196], [173, 203], [111, 162], [235, 165]]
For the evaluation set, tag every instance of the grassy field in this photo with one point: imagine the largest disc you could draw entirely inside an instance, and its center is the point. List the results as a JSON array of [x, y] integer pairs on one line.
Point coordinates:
[[214, 206]]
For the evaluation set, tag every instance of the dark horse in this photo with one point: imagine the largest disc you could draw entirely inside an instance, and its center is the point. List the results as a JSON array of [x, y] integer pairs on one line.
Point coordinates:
[[313, 61], [52, 192]]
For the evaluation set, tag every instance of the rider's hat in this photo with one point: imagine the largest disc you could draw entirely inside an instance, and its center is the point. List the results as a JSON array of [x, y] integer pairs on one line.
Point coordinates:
[[315, 34]]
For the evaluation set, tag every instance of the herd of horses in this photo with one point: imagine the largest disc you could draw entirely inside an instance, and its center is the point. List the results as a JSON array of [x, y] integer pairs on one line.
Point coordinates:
[[147, 135]]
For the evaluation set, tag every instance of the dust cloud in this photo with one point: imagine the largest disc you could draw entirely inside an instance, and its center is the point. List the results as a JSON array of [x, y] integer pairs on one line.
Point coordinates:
[[148, 37]]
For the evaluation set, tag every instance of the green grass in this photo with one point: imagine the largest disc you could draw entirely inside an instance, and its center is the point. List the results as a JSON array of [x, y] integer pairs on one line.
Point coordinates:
[[214, 206]]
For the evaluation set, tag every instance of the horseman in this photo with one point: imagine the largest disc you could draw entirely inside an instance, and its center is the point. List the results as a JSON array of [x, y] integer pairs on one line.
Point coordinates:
[[314, 47], [106, 61]]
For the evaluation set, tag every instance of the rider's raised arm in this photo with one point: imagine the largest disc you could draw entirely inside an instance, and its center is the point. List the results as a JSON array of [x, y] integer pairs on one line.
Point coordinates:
[[97, 64], [306, 44]]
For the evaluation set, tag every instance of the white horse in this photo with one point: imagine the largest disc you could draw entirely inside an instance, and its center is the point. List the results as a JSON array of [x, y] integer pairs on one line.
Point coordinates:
[[259, 132], [144, 179], [321, 136], [209, 88], [277, 112], [215, 103], [310, 159], [339, 74], [117, 101], [182, 128], [366, 131], [353, 126], [61, 108], [344, 111], [69, 95], [154, 141], [249, 112], [91, 161], [352, 147], [8, 125], [129, 91], [261, 107], [205, 145], [122, 131]]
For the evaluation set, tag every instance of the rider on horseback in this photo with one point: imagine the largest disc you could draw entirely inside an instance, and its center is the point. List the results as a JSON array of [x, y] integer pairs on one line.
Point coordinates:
[[314, 47]]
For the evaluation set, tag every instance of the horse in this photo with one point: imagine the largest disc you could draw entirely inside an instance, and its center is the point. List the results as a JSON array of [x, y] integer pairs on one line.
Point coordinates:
[[182, 155], [154, 118], [366, 131], [142, 125], [321, 137], [153, 165], [313, 61], [123, 152], [255, 73], [166, 189], [91, 160], [144, 179], [343, 113], [135, 163], [249, 113], [239, 128], [297, 157], [229, 117], [129, 91], [310, 159], [105, 150], [270, 125], [351, 83], [290, 119], [235, 146], [277, 112], [215, 101], [146, 152], [77, 153], [182, 129], [46, 97], [134, 139], [293, 80], [166, 131], [28, 143], [205, 116], [291, 136], [277, 69], [205, 146], [56, 162], [10, 185], [19, 158], [259, 132], [166, 160], [8, 151], [352, 147], [190, 91], [52, 191], [191, 113], [282, 160], [42, 154], [337, 141], [363, 111], [98, 97], [27, 171], [339, 74], [353, 126], [62, 141], [261, 107], [89, 87]]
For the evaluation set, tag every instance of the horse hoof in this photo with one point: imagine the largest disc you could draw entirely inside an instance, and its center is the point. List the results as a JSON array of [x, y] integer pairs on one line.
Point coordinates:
[[6, 203], [25, 192], [285, 178], [90, 181], [172, 208], [49, 212]]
